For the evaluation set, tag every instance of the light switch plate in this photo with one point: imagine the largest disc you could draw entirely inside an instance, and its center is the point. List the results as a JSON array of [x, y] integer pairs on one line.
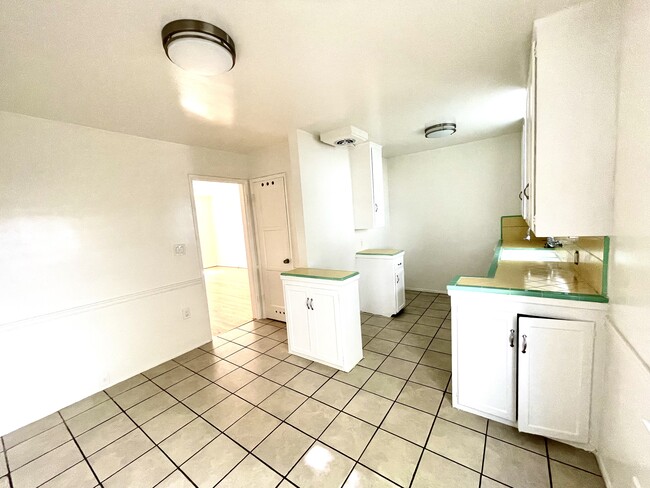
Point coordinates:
[[179, 249]]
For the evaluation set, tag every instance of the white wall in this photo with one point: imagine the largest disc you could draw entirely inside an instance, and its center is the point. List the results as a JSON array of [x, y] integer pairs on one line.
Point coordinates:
[[326, 187], [446, 206], [326, 194], [221, 224], [624, 449], [91, 290]]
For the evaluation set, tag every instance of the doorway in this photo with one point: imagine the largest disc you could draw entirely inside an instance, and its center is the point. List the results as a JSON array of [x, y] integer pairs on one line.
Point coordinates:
[[226, 255]]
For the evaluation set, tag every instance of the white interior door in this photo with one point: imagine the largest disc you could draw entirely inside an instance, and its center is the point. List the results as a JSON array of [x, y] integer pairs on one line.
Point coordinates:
[[272, 223], [555, 364]]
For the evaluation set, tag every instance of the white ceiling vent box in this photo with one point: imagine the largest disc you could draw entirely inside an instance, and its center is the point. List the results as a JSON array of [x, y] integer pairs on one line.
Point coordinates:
[[346, 136]]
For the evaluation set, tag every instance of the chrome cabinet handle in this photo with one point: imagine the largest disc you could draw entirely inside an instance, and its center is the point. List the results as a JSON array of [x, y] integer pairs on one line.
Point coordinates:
[[311, 303], [376, 208], [397, 276], [526, 194], [524, 344], [520, 195], [307, 303], [512, 337]]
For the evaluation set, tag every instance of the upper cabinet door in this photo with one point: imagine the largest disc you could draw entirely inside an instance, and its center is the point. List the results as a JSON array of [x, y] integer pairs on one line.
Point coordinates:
[[377, 177], [555, 369], [366, 169], [528, 147], [571, 124]]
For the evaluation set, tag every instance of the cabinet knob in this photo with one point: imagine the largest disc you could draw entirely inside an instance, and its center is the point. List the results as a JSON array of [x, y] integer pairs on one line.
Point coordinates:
[[524, 344], [512, 337], [286, 261]]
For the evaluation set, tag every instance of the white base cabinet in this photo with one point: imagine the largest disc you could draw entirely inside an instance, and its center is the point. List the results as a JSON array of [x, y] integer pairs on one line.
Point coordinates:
[[381, 284], [323, 320], [526, 362]]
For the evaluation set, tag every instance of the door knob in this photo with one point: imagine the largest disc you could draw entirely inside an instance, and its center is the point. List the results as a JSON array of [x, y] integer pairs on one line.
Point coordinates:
[[286, 261]]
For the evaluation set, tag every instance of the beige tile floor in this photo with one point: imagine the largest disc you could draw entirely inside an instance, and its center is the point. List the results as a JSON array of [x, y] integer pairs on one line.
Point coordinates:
[[229, 298], [240, 411]]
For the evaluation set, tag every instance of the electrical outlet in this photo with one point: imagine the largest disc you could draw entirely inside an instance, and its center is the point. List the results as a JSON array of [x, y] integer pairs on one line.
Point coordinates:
[[179, 249], [186, 313]]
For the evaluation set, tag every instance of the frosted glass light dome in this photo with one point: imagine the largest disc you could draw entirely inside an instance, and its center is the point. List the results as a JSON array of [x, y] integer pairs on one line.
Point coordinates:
[[198, 47]]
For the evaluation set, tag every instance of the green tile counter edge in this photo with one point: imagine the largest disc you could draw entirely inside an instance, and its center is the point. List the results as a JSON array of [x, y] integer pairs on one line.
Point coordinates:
[[380, 252], [581, 297], [320, 274]]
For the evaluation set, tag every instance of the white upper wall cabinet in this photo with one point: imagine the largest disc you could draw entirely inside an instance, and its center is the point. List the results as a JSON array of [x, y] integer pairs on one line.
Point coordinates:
[[367, 173], [571, 123]]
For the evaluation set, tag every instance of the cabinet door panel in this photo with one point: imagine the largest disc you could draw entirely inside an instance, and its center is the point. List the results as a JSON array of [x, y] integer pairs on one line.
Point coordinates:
[[377, 172], [484, 364], [323, 319], [400, 292], [555, 377], [298, 334]]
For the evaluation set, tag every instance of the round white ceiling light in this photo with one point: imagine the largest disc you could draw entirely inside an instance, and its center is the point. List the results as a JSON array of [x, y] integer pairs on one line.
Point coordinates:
[[440, 130], [198, 47]]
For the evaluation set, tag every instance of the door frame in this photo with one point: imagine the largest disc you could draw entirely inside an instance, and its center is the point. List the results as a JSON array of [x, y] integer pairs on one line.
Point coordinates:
[[252, 181], [250, 240]]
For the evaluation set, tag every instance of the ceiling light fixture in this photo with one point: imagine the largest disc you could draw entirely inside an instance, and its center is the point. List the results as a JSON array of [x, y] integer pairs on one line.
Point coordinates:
[[440, 130], [198, 47]]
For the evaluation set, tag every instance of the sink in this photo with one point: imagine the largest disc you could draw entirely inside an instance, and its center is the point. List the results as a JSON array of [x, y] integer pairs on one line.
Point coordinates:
[[543, 255]]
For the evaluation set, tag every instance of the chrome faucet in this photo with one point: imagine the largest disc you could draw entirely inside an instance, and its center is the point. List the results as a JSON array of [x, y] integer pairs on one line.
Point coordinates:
[[552, 243]]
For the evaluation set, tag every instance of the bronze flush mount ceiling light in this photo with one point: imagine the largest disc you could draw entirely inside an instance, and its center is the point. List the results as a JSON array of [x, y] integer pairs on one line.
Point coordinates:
[[198, 47]]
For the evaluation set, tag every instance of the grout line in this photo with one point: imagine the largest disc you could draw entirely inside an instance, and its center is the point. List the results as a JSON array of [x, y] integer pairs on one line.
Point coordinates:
[[435, 417], [4, 454], [154, 443], [487, 426], [548, 463], [80, 451]]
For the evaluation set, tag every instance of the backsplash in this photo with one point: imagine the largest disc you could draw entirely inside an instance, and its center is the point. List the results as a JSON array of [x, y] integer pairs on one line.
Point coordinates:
[[593, 251]]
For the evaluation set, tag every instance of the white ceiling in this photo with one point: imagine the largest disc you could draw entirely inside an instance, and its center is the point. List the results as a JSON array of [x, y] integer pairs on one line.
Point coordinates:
[[389, 67]]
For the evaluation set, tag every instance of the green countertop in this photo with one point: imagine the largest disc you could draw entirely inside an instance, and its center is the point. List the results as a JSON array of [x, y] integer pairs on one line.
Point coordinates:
[[321, 274], [538, 275], [379, 252]]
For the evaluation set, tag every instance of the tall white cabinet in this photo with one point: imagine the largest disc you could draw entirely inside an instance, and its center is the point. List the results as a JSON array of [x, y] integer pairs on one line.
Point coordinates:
[[570, 127], [367, 172], [526, 362], [381, 286], [323, 319]]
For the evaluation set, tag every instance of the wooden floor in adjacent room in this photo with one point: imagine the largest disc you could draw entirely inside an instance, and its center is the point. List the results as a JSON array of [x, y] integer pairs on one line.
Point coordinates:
[[229, 298]]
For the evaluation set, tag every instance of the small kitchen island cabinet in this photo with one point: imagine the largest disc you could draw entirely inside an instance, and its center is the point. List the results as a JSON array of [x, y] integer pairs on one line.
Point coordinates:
[[323, 317], [381, 285]]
